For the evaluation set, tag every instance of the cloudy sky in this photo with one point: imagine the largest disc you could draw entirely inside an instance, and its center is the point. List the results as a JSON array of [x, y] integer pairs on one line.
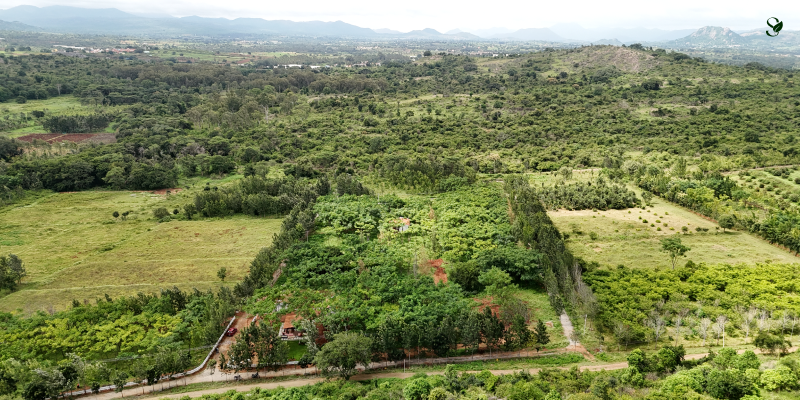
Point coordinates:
[[468, 15]]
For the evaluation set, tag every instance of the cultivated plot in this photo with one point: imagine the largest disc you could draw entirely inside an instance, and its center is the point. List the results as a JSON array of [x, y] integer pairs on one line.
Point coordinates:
[[616, 237]]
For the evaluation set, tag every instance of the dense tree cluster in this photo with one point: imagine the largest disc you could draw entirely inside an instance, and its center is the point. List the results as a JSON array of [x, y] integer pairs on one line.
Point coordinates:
[[431, 174], [630, 300], [587, 195], [118, 327], [258, 196], [76, 123], [429, 317]]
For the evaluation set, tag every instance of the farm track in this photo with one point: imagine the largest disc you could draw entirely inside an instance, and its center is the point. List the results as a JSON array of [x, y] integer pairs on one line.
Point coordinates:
[[204, 377]]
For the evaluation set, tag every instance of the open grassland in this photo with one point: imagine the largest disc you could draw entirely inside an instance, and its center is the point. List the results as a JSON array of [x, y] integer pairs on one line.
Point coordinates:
[[62, 105], [75, 249], [623, 238]]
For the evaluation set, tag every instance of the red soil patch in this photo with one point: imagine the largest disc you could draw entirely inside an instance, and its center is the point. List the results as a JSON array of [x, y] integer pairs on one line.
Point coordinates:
[[439, 275], [488, 302], [70, 137]]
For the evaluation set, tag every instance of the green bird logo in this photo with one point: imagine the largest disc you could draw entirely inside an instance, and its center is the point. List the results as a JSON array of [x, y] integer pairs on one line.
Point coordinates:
[[775, 28]]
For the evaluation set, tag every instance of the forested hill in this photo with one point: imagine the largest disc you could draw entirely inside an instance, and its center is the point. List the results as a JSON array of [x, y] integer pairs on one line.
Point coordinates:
[[579, 108]]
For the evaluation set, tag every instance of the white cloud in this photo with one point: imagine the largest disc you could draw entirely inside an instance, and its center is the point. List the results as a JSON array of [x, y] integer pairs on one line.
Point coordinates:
[[471, 14]]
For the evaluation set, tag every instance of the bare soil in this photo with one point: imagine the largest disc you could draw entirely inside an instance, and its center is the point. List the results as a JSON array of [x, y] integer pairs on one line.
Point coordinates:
[[70, 137]]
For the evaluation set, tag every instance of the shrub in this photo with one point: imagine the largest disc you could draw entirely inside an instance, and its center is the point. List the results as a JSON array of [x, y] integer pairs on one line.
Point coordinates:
[[771, 343], [160, 213], [781, 378], [417, 389], [593, 235]]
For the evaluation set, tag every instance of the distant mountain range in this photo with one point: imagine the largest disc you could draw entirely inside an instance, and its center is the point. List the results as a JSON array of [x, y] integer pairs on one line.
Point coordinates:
[[16, 26], [113, 21]]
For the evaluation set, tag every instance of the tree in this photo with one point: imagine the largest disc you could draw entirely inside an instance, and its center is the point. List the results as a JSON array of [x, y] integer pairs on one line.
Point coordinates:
[[497, 283], [160, 213], [679, 169], [729, 384], [702, 328], [647, 196], [344, 354], [518, 335], [492, 329], [12, 270], [674, 248], [565, 172], [540, 334], [748, 317], [622, 332], [189, 210], [657, 323], [465, 275], [115, 214], [264, 342], [721, 321], [240, 354], [184, 363], [212, 367], [10, 148], [223, 364], [222, 273], [727, 221], [120, 379], [770, 343], [116, 177], [471, 330]]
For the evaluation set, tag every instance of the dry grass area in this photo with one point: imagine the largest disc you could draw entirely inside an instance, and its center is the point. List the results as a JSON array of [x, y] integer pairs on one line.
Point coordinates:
[[74, 249], [624, 59], [623, 238]]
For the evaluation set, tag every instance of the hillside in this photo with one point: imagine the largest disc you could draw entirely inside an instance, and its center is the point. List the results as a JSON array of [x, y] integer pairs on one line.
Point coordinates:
[[17, 26]]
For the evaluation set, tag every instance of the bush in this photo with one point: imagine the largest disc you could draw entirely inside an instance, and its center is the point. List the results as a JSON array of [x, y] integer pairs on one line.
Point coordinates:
[[160, 213], [780, 378], [417, 389], [771, 343], [651, 84], [728, 384]]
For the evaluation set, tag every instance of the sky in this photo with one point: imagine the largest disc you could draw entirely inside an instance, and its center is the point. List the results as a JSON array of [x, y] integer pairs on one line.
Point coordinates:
[[469, 15]]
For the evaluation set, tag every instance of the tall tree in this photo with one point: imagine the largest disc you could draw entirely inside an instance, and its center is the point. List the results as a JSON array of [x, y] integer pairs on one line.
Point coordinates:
[[674, 248], [344, 354]]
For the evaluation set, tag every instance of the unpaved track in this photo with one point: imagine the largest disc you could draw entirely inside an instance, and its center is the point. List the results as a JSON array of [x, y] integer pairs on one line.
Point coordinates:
[[137, 392]]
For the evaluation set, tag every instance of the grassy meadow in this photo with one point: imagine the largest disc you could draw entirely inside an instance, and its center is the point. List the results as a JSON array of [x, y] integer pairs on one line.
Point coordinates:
[[62, 105], [73, 247]]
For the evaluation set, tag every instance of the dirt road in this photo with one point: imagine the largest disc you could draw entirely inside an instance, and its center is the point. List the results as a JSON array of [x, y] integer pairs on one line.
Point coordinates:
[[312, 380]]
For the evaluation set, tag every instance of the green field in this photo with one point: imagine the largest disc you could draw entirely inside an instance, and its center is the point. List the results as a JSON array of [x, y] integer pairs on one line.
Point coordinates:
[[73, 247], [66, 104], [623, 238]]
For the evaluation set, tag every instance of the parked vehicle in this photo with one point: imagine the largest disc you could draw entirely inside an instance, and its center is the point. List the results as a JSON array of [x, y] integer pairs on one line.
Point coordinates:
[[231, 332]]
